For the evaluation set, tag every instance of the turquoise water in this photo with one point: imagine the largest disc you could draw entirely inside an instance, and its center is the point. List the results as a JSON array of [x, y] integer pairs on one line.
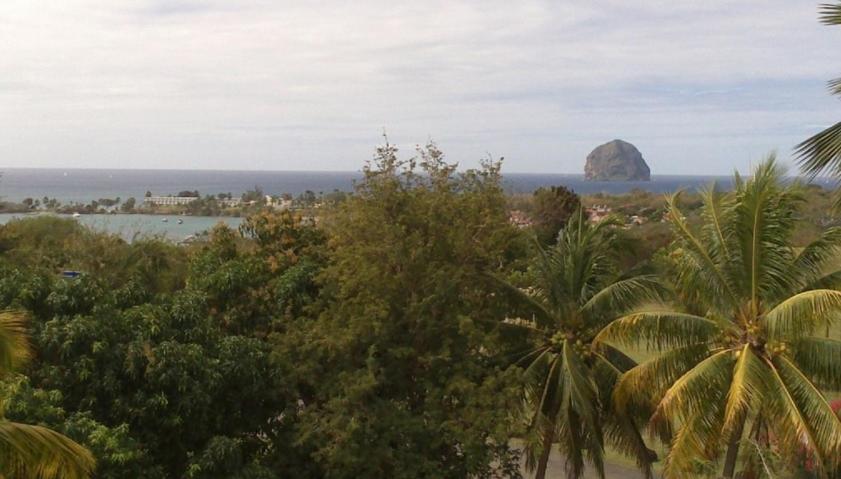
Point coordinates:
[[131, 226]]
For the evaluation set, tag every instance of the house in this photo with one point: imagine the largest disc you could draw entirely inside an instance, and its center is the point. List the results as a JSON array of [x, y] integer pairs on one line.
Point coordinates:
[[278, 203], [519, 219], [597, 213], [230, 202], [169, 200]]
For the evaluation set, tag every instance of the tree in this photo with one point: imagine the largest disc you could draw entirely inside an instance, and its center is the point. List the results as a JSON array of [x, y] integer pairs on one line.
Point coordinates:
[[552, 209], [575, 289], [822, 152], [741, 361], [399, 378], [128, 205], [255, 195], [27, 450]]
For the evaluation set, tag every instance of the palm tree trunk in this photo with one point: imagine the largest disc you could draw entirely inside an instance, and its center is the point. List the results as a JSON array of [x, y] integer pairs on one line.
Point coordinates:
[[548, 436], [733, 449]]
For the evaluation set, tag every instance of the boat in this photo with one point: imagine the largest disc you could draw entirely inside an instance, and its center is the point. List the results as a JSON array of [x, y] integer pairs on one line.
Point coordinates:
[[180, 221], [164, 220], [76, 215]]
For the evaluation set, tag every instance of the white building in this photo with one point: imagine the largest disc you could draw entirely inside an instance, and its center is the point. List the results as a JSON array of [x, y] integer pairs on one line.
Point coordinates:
[[168, 200], [230, 202], [278, 203]]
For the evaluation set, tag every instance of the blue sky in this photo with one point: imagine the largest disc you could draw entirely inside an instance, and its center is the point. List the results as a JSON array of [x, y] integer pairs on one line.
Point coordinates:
[[699, 87]]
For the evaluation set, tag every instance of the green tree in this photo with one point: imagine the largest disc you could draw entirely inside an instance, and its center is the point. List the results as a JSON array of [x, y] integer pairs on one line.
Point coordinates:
[[822, 152], [399, 380], [28, 451], [552, 209], [128, 205], [741, 361], [575, 289]]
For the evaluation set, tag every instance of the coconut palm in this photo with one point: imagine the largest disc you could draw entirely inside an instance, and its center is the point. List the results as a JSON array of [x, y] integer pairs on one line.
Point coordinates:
[[743, 359], [575, 291], [28, 451], [822, 152]]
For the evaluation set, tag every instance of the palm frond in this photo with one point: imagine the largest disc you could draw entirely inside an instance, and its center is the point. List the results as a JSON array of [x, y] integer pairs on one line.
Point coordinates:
[[834, 86], [690, 393], [814, 261], [746, 386], [619, 360], [828, 281], [648, 382], [550, 389], [581, 401], [800, 314], [765, 218], [830, 13], [714, 283], [659, 329], [38, 452], [582, 394], [716, 213], [694, 402], [14, 344], [819, 359], [626, 294], [623, 434], [821, 153], [543, 315], [806, 416], [697, 441]]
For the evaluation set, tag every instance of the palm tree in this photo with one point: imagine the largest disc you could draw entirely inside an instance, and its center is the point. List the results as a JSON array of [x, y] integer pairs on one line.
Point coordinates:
[[742, 360], [822, 152], [28, 451], [574, 293]]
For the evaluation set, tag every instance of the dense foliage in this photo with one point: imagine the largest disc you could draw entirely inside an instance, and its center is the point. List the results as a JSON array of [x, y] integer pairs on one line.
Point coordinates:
[[410, 330], [552, 208]]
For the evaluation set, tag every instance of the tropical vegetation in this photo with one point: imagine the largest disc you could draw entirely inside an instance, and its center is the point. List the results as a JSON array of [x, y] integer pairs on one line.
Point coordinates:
[[821, 153], [743, 361], [414, 331], [575, 289], [33, 450]]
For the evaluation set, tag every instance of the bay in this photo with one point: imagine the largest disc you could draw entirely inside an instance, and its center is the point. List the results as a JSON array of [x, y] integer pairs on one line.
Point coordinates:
[[133, 226]]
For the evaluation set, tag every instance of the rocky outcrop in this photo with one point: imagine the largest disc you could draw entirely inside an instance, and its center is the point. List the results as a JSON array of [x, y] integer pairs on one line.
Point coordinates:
[[616, 161]]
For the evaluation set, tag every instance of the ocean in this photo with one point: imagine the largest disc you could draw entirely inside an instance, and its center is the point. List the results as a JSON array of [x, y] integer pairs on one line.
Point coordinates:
[[84, 185]]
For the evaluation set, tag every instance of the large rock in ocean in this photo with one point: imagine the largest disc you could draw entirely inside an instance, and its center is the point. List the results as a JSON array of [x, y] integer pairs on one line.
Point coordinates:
[[616, 161]]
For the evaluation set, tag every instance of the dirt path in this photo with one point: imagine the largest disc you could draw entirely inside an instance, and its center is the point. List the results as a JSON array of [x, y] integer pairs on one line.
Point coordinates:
[[612, 471]]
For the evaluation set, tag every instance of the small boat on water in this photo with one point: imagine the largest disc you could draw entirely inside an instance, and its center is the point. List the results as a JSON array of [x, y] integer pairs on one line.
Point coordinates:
[[180, 221], [76, 215], [164, 220]]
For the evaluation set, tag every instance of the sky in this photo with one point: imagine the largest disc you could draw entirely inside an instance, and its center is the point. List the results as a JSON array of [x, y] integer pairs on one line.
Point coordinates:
[[699, 87]]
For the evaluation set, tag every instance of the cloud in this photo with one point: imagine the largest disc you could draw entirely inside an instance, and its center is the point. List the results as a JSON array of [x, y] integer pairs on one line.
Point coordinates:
[[700, 87]]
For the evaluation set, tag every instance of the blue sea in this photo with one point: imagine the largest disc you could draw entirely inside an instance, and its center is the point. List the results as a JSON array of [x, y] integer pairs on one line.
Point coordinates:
[[84, 185]]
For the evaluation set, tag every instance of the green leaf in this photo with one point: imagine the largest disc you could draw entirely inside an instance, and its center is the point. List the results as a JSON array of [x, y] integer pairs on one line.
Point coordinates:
[[830, 13], [819, 359], [659, 329], [35, 451], [800, 314]]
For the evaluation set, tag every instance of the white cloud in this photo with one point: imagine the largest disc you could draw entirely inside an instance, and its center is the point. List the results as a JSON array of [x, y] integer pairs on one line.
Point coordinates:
[[701, 87]]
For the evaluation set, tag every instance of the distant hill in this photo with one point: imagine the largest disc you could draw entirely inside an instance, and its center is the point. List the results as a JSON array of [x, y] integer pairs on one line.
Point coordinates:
[[616, 161]]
